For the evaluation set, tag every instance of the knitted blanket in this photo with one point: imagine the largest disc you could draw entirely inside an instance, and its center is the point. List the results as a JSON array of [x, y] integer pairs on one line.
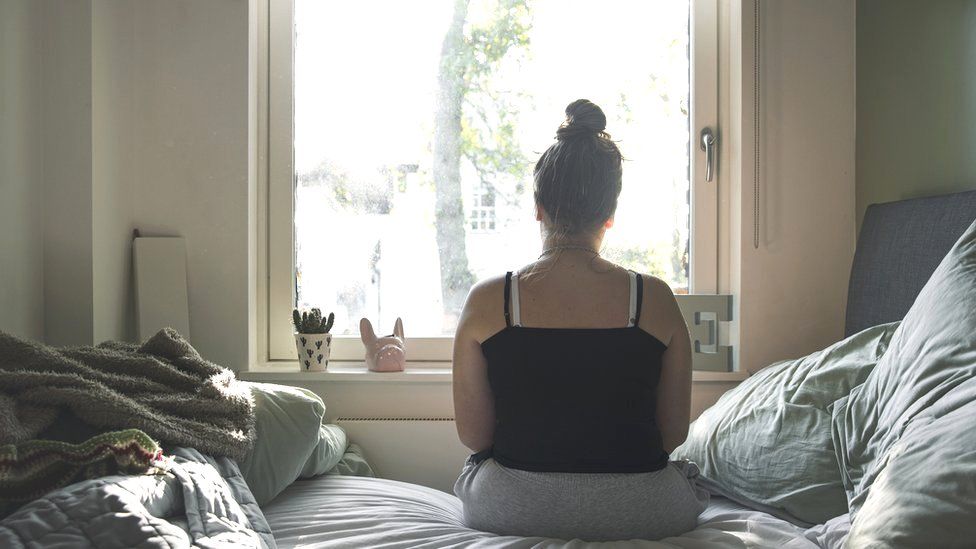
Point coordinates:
[[163, 388], [31, 469]]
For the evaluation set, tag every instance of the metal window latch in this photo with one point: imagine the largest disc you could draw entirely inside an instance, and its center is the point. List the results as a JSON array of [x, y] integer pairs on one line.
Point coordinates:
[[709, 319], [707, 142]]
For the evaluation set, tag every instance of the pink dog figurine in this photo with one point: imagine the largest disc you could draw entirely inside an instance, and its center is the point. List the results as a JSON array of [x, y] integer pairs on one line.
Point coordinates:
[[387, 353]]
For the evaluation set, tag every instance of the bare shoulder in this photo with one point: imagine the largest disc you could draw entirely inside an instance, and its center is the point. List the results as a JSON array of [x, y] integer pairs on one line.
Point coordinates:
[[483, 313], [657, 286], [484, 292], [661, 313]]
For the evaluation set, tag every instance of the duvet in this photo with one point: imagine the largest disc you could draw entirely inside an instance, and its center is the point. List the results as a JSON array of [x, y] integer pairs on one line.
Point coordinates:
[[201, 501]]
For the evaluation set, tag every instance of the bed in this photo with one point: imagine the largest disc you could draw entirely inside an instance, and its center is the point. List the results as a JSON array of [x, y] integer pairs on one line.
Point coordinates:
[[900, 245], [337, 511]]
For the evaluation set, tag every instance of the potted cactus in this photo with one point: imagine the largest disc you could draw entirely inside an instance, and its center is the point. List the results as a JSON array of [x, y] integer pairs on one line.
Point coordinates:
[[312, 339]]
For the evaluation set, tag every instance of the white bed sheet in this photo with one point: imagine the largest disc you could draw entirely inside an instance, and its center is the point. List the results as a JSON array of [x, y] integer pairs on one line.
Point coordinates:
[[357, 512]]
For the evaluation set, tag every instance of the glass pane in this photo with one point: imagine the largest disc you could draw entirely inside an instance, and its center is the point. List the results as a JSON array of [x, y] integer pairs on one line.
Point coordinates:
[[417, 125]]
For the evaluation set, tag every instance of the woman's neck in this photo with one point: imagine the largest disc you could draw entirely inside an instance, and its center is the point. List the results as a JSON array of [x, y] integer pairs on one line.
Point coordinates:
[[568, 244]]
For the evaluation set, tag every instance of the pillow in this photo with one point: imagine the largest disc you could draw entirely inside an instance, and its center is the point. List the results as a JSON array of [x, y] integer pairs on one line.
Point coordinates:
[[925, 374], [926, 494], [327, 453], [353, 464], [288, 421], [767, 442]]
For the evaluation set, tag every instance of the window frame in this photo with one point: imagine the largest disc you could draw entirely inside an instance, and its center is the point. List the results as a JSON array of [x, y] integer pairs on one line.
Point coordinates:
[[275, 282]]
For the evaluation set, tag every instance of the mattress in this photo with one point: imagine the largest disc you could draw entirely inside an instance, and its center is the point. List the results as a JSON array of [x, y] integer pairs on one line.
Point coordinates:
[[340, 511]]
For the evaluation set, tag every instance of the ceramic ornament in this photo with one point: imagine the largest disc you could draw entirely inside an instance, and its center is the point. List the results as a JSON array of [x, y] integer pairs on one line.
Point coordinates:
[[387, 353]]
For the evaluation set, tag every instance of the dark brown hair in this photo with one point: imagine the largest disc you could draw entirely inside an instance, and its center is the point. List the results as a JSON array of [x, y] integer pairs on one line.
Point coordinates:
[[578, 179]]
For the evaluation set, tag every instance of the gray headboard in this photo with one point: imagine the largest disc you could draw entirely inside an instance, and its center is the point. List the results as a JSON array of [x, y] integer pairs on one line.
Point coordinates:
[[900, 245]]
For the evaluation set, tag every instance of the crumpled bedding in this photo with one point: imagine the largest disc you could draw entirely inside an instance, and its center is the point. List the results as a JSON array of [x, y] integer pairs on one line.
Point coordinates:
[[163, 387], [202, 501], [340, 511]]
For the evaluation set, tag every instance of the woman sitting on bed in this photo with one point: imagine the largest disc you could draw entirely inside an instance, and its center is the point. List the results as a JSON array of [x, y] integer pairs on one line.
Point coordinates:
[[572, 376]]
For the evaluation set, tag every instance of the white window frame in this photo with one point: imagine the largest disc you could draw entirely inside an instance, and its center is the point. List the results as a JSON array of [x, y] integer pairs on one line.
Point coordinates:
[[275, 201]]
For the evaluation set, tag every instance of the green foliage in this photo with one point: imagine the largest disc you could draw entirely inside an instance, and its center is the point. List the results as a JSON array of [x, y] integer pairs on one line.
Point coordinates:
[[360, 195], [311, 322], [667, 262], [488, 128], [643, 260], [487, 45], [472, 121]]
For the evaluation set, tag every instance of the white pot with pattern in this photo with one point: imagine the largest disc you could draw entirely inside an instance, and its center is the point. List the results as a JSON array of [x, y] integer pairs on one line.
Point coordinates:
[[313, 351]]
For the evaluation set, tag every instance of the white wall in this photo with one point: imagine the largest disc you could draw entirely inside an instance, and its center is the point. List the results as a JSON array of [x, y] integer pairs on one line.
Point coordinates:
[[792, 291], [21, 190], [916, 99], [119, 115], [171, 117], [67, 145], [112, 285]]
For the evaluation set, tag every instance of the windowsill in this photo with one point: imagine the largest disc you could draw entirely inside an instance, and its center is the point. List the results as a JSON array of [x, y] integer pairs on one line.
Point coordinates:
[[418, 372], [702, 376]]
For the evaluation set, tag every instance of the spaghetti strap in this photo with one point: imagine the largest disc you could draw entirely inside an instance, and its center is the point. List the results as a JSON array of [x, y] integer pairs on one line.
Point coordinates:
[[632, 305], [516, 306], [640, 298], [508, 292]]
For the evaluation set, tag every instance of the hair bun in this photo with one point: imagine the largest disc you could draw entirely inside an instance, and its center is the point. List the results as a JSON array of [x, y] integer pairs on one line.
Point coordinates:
[[583, 118]]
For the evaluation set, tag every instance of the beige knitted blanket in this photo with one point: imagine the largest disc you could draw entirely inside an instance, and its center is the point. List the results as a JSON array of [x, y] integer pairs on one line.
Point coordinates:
[[163, 388]]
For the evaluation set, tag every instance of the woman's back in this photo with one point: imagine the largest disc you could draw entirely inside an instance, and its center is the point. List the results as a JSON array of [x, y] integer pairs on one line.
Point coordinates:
[[572, 395]]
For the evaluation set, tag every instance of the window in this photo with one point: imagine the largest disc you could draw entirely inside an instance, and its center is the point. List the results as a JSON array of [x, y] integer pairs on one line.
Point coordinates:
[[402, 138], [482, 216]]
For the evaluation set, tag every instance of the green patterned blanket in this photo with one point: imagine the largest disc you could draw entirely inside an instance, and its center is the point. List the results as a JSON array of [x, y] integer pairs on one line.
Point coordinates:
[[29, 470]]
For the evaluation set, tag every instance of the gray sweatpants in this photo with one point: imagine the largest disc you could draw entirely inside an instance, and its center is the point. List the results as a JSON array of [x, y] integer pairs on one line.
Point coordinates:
[[586, 506]]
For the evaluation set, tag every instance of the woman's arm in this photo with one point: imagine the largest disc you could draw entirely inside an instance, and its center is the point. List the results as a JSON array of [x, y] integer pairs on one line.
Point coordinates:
[[674, 387], [474, 404]]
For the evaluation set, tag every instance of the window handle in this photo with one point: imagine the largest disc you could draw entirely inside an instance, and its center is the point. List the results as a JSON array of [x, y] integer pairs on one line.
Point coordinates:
[[706, 142]]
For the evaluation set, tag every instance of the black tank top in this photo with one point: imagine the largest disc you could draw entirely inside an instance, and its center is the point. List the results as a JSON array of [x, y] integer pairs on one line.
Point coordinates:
[[579, 400]]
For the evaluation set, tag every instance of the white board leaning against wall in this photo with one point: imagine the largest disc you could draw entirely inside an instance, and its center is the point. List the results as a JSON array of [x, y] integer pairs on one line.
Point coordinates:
[[159, 265]]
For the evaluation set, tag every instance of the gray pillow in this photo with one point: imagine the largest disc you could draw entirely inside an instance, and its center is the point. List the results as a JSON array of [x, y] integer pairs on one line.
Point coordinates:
[[767, 442], [327, 453], [926, 494], [353, 464], [917, 388], [288, 424]]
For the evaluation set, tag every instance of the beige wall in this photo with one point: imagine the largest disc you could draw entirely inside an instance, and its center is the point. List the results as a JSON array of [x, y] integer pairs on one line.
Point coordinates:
[[21, 190], [112, 164], [45, 211], [67, 125], [171, 130], [791, 293], [125, 114], [916, 99]]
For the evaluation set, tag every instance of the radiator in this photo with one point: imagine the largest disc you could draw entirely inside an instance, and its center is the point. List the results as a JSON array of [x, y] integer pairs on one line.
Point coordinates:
[[422, 451]]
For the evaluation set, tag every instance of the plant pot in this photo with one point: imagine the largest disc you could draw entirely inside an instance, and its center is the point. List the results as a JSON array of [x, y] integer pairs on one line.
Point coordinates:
[[313, 351]]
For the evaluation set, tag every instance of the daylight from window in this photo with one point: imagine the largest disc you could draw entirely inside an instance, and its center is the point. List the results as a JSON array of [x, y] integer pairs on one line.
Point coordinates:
[[417, 125]]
